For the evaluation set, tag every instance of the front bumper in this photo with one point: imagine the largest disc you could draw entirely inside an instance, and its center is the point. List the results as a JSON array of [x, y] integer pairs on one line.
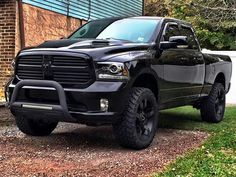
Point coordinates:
[[43, 99]]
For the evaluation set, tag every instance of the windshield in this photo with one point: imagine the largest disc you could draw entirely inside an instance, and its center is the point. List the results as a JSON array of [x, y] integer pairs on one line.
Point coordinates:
[[133, 30]]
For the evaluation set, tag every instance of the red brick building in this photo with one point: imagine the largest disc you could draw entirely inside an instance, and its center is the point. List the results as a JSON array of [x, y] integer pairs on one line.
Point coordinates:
[[7, 39], [25, 25]]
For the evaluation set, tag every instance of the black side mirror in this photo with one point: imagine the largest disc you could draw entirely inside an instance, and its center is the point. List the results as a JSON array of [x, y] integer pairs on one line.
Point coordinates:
[[175, 42], [167, 45], [179, 40]]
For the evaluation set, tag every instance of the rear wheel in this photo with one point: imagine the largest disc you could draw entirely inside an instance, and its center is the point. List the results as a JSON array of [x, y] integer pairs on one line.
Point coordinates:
[[213, 108], [35, 127], [137, 128]]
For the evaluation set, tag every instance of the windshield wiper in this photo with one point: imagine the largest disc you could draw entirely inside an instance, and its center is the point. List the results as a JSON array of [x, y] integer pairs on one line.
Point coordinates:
[[111, 38]]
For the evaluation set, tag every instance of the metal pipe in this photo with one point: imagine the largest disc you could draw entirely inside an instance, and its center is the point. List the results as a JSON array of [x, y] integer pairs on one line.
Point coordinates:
[[89, 10], [143, 6], [21, 24]]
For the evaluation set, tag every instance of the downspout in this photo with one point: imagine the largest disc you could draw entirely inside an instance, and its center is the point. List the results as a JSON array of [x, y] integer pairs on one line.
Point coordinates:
[[143, 6], [68, 24], [21, 24], [89, 10]]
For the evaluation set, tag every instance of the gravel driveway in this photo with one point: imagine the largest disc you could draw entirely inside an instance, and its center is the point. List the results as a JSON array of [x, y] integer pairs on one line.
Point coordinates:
[[75, 150]]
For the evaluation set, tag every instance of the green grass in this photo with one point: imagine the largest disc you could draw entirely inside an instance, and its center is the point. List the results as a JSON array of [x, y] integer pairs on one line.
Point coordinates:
[[216, 157]]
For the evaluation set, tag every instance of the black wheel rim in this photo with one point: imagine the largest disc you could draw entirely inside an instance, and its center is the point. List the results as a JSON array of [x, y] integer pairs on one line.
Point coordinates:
[[220, 103], [145, 118]]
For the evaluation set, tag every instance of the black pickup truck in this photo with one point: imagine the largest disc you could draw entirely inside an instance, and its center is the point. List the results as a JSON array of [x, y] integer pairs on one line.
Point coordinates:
[[117, 71]]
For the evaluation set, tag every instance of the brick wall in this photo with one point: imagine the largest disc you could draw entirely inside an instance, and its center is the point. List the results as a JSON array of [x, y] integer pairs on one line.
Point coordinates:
[[41, 25], [7, 40]]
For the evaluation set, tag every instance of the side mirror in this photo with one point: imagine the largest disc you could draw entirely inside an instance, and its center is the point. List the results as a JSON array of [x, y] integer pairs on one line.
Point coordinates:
[[179, 40], [175, 42], [167, 45]]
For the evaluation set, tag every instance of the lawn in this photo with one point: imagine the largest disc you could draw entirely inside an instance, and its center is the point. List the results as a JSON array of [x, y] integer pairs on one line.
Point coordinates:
[[216, 157]]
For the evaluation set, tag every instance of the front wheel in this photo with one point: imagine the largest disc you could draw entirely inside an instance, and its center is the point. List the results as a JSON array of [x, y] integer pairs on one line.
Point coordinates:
[[213, 108], [139, 123], [35, 127]]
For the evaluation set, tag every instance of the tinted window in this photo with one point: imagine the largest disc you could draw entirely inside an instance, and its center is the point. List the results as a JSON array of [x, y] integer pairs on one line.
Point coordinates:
[[171, 30], [91, 29], [192, 43], [134, 30]]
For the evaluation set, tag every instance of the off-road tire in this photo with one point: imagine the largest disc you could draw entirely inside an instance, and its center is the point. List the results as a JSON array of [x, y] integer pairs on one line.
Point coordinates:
[[35, 127], [128, 131], [213, 108]]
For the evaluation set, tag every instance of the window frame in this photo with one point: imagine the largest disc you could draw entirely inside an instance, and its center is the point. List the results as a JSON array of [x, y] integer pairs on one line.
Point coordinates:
[[194, 35], [166, 27]]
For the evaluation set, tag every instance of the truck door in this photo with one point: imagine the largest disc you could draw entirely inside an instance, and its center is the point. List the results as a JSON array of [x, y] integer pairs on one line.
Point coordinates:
[[196, 61], [184, 67]]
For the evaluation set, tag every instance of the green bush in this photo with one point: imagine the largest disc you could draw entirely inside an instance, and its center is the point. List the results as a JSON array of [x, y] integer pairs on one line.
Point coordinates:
[[213, 20]]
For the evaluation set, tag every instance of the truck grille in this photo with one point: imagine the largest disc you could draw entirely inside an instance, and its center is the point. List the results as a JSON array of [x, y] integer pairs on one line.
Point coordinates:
[[67, 70]]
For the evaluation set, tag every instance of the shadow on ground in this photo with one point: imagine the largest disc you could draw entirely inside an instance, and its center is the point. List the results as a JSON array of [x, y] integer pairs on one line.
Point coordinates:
[[179, 120], [75, 135], [76, 150]]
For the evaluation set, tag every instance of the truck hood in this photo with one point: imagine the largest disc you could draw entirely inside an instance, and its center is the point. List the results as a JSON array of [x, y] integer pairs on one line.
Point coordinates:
[[99, 50]]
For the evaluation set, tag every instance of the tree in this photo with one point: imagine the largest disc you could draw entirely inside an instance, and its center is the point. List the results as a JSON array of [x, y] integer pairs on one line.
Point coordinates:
[[214, 20], [155, 8]]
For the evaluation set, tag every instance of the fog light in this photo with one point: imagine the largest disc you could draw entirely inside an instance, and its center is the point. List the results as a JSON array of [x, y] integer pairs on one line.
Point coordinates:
[[104, 105]]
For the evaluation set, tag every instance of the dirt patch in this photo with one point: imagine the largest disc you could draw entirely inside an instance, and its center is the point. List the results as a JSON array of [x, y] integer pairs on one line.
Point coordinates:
[[74, 150], [5, 117]]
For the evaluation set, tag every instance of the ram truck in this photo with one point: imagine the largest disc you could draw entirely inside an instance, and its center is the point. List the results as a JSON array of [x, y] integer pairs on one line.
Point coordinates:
[[120, 72]]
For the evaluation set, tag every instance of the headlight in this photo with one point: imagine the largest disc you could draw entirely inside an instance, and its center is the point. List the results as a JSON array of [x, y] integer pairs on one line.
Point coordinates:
[[112, 70]]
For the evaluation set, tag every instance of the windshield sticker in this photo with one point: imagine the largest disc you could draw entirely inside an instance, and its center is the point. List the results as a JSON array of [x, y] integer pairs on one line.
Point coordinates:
[[140, 39]]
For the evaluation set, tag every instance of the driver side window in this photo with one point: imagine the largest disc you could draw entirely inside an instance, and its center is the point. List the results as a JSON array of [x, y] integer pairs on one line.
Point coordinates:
[[171, 30], [192, 43]]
